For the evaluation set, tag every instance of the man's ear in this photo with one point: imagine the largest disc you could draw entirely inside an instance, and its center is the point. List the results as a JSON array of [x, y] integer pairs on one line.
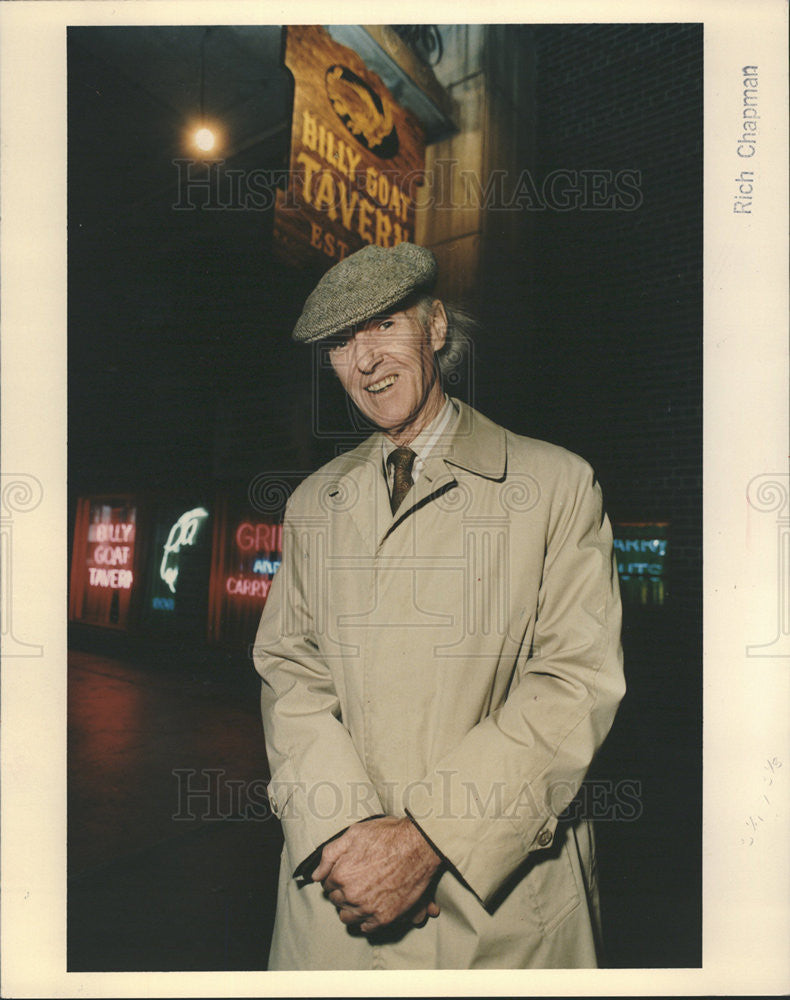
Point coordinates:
[[437, 329]]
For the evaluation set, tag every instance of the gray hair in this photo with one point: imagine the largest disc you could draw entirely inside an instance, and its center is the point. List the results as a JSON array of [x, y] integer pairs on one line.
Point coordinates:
[[461, 327]]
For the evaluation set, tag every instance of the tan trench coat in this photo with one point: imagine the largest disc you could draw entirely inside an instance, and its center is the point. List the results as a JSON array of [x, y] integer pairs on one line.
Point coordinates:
[[460, 662]]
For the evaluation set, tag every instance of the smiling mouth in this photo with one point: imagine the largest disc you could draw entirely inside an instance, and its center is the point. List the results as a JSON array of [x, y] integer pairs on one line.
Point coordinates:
[[383, 384]]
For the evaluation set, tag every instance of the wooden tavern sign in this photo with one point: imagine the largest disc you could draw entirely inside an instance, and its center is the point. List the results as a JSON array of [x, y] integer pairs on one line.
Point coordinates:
[[356, 160]]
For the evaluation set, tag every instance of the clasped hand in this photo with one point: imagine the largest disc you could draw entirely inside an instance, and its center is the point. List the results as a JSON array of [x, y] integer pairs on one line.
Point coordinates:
[[377, 871]]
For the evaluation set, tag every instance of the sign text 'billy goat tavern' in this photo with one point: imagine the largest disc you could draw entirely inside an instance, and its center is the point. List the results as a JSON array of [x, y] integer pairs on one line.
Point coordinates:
[[357, 157]]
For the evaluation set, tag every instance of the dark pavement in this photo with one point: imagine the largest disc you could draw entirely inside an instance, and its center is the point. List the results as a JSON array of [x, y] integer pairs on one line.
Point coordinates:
[[173, 854], [162, 877]]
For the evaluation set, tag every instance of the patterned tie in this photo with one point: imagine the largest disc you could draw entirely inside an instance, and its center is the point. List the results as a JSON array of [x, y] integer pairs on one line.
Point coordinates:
[[401, 460]]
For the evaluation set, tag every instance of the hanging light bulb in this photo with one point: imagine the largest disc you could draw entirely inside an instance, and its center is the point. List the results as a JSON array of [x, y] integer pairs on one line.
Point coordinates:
[[204, 135], [205, 139]]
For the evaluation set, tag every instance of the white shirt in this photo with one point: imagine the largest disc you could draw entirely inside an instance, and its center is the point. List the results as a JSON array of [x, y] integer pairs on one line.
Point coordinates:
[[423, 444]]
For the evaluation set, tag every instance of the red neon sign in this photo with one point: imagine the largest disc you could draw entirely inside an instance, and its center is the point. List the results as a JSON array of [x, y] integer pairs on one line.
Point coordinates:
[[259, 537], [248, 586], [110, 553], [253, 576], [117, 579], [247, 553], [103, 575]]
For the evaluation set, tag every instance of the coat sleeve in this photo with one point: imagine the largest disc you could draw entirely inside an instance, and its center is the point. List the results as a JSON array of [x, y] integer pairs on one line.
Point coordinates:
[[496, 796], [318, 784]]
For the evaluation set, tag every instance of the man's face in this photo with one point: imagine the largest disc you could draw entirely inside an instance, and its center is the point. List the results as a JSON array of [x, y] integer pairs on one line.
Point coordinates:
[[387, 368]]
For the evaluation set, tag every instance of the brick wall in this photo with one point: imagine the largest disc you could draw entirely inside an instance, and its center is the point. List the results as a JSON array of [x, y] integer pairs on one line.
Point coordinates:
[[612, 356], [613, 370], [591, 289]]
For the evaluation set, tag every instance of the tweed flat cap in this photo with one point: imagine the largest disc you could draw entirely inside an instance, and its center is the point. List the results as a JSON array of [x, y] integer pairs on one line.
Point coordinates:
[[363, 285]]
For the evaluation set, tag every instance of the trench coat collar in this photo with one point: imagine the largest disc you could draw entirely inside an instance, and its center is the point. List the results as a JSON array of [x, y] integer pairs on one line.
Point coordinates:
[[476, 445]]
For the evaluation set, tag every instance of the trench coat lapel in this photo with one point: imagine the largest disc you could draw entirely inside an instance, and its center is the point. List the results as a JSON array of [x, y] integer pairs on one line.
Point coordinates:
[[476, 445], [360, 489]]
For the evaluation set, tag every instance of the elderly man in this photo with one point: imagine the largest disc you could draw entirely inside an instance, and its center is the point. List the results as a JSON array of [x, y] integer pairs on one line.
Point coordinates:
[[440, 660]]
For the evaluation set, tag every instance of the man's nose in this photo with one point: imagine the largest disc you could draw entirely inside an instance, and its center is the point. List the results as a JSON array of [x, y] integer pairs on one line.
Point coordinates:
[[367, 354]]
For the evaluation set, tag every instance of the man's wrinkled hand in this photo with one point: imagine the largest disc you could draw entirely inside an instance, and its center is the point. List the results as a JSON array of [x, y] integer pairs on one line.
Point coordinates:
[[377, 871]]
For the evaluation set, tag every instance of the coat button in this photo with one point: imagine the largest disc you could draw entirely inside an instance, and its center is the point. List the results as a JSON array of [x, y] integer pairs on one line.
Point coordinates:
[[273, 803], [544, 838]]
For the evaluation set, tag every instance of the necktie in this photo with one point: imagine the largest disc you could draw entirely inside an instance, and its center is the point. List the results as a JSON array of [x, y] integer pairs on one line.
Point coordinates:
[[401, 460]]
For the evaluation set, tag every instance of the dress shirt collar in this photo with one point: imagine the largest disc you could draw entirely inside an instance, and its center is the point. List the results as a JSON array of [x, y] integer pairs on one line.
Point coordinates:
[[425, 441]]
